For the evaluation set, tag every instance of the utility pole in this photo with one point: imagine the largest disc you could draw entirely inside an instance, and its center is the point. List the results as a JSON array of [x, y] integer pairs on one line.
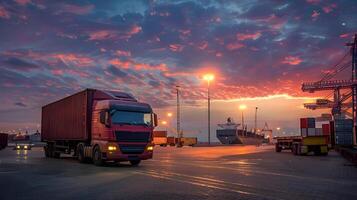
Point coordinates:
[[255, 120], [178, 116], [354, 88]]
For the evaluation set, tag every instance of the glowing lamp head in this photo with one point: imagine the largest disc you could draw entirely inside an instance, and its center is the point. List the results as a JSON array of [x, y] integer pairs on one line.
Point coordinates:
[[169, 114], [242, 107], [208, 77], [278, 128], [164, 122]]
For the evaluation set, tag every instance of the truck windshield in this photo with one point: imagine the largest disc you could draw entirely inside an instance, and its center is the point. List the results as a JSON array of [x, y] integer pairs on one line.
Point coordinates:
[[131, 118]]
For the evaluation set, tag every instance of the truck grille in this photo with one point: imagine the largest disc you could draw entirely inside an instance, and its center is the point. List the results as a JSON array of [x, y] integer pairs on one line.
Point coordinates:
[[132, 149], [126, 136]]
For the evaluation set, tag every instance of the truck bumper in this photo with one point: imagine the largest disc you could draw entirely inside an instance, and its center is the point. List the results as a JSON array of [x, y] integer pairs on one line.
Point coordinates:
[[118, 156]]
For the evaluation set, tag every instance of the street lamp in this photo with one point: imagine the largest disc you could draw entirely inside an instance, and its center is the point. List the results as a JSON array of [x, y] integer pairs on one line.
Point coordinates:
[[242, 107], [169, 114], [209, 78]]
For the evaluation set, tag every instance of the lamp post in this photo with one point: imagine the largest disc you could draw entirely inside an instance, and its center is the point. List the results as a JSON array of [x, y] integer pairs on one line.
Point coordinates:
[[242, 107], [209, 78]]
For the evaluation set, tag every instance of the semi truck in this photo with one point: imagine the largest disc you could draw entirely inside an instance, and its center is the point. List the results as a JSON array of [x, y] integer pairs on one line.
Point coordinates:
[[98, 126], [302, 145], [3, 140]]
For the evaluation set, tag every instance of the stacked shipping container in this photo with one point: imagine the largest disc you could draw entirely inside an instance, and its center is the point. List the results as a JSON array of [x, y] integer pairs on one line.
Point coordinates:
[[343, 132], [307, 127]]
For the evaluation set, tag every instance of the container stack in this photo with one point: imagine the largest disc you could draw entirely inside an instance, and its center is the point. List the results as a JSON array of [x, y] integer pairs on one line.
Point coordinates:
[[344, 132], [307, 127]]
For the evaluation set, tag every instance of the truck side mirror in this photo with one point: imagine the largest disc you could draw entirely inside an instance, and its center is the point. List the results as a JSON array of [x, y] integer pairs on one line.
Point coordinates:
[[104, 118], [107, 119], [155, 120]]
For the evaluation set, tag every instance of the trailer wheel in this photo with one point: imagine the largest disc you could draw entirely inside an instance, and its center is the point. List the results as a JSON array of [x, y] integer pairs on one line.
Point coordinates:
[[135, 162], [47, 153], [97, 157]]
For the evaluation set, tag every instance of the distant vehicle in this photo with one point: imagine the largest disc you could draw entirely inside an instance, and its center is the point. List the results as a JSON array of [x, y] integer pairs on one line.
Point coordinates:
[[187, 141], [98, 125], [3, 140], [22, 146], [160, 138], [171, 141]]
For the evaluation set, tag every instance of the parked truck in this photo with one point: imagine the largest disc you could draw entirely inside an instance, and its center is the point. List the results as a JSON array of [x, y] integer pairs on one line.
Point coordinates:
[[187, 141], [302, 145], [160, 138], [98, 126], [3, 140]]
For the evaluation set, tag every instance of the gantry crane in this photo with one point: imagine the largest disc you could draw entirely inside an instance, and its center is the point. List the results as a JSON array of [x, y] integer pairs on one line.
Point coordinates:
[[338, 104]]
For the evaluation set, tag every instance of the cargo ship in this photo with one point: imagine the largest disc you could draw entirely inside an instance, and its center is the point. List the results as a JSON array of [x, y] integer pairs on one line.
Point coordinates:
[[233, 133]]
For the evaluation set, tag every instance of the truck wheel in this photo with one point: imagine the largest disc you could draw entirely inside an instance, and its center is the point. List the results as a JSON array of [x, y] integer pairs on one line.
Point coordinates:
[[97, 157], [135, 162], [80, 153], [47, 153], [277, 148]]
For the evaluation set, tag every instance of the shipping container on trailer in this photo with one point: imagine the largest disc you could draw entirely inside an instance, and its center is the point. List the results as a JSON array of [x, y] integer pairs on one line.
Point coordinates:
[[162, 141], [160, 133]]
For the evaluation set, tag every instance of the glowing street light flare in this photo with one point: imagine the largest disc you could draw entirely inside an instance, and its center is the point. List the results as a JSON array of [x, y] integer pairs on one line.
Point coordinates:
[[208, 77], [169, 114], [278, 128], [163, 122], [242, 107]]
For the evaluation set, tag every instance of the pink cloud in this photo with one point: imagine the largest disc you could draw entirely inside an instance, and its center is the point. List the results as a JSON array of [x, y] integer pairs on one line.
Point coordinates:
[[313, 1], [134, 30], [292, 60], [130, 64], [247, 36], [176, 47], [57, 72], [234, 46], [344, 35], [219, 54], [123, 53], [314, 15], [329, 8], [77, 60], [4, 13], [203, 45], [102, 35]]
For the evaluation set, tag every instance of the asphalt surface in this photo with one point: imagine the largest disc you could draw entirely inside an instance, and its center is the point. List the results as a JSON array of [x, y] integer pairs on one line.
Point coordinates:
[[236, 172]]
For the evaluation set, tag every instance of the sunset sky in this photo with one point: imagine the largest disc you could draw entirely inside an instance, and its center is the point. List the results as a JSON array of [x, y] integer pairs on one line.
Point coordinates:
[[259, 51]]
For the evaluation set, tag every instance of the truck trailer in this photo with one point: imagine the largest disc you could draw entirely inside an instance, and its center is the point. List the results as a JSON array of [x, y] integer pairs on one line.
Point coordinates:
[[99, 126]]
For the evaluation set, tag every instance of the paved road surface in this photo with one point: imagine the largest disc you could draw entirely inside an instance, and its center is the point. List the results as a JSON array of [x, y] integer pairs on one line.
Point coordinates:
[[237, 172]]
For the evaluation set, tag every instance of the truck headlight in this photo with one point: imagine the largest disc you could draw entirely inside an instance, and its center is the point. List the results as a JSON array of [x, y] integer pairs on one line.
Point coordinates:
[[18, 147], [25, 147], [150, 148], [112, 148]]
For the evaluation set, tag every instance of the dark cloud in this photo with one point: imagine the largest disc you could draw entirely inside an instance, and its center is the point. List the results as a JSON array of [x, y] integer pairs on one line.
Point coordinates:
[[19, 64], [20, 104]]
